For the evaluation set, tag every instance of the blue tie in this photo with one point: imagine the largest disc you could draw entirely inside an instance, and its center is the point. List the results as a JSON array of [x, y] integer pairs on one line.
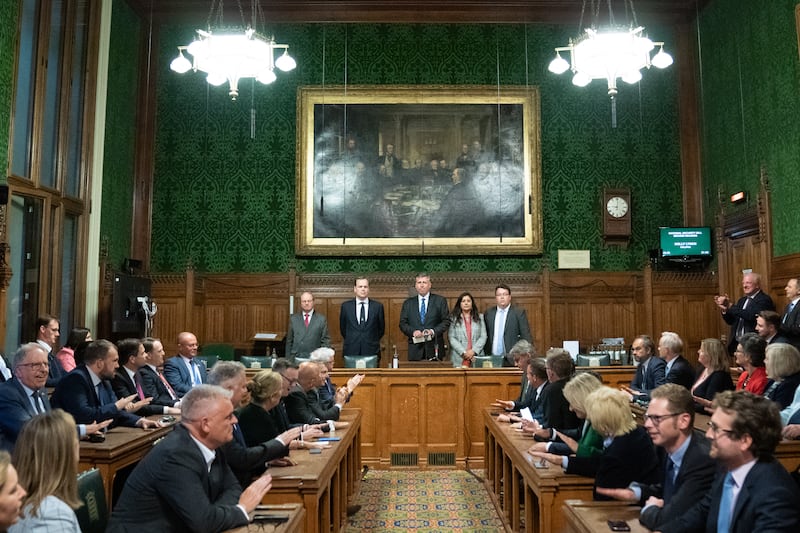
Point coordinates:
[[103, 395], [422, 311], [196, 379], [726, 505]]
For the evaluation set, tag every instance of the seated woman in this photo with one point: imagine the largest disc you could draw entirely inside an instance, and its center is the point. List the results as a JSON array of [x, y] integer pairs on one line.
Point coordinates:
[[749, 356], [66, 355], [257, 423], [714, 377], [584, 441], [47, 454], [467, 333], [629, 454], [783, 367], [11, 493]]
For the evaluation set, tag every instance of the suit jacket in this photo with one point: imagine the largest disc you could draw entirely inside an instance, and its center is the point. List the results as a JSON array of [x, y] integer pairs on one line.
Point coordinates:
[[305, 408], [655, 375], [124, 386], [302, 340], [630, 457], [517, 328], [178, 375], [154, 388], [56, 372], [171, 490], [248, 461], [681, 373], [692, 483], [783, 393], [53, 516], [555, 407], [361, 339], [15, 410], [769, 500], [761, 301], [590, 442], [258, 425], [790, 324], [717, 381], [76, 395], [457, 336], [437, 318]]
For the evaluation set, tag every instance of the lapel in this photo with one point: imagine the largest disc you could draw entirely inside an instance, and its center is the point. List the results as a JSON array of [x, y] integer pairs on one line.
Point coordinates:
[[26, 401]]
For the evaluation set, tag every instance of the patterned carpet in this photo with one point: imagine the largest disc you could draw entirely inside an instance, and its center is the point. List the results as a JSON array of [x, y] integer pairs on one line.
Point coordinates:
[[424, 500]]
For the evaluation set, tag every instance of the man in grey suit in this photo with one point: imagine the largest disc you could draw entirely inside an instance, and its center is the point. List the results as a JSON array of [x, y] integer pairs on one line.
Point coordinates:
[[505, 325], [308, 330]]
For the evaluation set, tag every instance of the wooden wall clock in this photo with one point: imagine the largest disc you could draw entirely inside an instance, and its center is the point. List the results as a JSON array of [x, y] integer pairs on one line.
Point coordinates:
[[617, 216]]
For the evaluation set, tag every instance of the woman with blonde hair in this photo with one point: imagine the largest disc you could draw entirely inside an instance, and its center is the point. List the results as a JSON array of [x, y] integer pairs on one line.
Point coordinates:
[[783, 368], [715, 376], [47, 455], [11, 492], [583, 441], [628, 455]]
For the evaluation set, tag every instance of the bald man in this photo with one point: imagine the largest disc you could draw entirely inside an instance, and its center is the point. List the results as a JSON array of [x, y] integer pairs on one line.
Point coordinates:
[[308, 330], [304, 406], [183, 371], [741, 317]]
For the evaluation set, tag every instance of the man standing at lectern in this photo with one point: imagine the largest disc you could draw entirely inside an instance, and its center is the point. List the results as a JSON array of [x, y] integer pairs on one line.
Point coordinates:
[[424, 319], [361, 322], [505, 325]]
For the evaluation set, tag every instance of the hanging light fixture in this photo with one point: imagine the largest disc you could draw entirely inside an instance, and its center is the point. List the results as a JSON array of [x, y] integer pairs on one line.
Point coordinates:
[[609, 51], [230, 55]]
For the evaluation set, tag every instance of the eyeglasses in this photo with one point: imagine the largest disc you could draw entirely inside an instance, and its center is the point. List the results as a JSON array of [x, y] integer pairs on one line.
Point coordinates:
[[291, 381], [35, 366], [656, 419], [716, 430]]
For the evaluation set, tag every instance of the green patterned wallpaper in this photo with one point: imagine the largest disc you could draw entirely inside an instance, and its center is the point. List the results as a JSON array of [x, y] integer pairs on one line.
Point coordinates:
[[120, 134], [8, 34], [225, 202], [751, 107]]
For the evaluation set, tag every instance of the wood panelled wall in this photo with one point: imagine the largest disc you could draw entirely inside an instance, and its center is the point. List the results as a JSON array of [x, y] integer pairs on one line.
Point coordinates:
[[586, 306]]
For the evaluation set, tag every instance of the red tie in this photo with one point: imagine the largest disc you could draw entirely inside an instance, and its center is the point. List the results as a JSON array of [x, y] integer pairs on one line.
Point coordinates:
[[306, 319], [168, 386], [138, 381]]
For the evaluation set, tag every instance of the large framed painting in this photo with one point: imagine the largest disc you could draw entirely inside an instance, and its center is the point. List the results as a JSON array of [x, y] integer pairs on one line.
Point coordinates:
[[418, 170]]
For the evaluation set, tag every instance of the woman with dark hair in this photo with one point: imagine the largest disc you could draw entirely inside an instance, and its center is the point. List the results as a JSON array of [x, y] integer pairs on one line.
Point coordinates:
[[749, 355], [714, 377], [66, 356], [467, 333], [11, 492]]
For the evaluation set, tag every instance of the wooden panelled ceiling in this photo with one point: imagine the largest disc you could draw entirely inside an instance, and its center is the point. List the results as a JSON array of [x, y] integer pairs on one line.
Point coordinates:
[[419, 11]]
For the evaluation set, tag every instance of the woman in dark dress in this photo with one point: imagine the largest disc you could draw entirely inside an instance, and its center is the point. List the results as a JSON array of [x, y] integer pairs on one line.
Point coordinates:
[[783, 368], [714, 376]]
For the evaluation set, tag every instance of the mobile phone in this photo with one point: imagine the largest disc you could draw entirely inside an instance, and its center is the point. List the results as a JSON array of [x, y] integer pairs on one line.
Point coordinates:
[[329, 439], [270, 518], [542, 463], [618, 525], [97, 437], [314, 450]]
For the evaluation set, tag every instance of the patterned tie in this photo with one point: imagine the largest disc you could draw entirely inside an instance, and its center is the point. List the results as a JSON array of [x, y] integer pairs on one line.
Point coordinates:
[[422, 311], [726, 505], [170, 390]]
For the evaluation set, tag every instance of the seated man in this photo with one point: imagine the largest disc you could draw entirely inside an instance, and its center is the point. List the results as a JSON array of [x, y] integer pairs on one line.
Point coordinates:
[[522, 352], [650, 371], [128, 381], [555, 408], [86, 392], [154, 383], [304, 406], [536, 374], [327, 391], [183, 484], [184, 371]]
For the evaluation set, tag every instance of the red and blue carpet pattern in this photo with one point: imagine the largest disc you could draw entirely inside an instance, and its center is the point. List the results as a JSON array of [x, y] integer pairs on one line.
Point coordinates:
[[424, 500]]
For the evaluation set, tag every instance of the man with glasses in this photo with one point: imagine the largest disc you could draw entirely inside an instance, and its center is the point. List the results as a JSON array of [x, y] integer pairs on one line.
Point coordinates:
[[686, 467], [752, 491]]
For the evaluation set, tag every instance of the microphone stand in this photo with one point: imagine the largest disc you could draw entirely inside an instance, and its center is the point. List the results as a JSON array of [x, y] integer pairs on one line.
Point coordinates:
[[435, 349]]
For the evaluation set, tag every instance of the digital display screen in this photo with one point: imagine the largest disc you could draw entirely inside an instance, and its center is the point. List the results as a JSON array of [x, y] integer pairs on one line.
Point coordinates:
[[681, 242]]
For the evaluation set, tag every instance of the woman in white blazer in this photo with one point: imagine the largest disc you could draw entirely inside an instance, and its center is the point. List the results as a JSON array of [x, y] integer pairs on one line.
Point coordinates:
[[467, 333]]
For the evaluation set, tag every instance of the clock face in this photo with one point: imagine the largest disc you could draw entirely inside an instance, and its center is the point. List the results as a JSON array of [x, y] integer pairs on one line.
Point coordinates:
[[617, 207]]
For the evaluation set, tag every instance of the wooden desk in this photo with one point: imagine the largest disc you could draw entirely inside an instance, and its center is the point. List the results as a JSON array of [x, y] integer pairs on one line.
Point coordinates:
[[296, 514], [123, 446], [324, 483], [544, 490], [593, 517]]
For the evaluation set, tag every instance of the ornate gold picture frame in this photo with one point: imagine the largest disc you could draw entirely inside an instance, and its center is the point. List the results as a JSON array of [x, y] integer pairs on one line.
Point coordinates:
[[409, 170]]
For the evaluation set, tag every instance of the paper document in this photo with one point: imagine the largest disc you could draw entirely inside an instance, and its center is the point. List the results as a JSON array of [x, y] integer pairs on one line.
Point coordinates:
[[525, 413], [266, 336]]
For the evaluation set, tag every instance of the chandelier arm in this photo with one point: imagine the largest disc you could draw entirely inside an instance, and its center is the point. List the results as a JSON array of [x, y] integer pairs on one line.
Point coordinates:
[[633, 14], [580, 22], [611, 20]]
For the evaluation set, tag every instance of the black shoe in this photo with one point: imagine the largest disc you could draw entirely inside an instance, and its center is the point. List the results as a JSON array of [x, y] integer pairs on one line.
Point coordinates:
[[353, 509], [364, 471]]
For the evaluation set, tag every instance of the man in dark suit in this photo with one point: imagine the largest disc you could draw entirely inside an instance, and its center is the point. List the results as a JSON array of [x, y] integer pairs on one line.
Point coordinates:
[[86, 392], [184, 484], [767, 327], [154, 384], [424, 319], [308, 330], [686, 467], [505, 325], [790, 321], [303, 404], [23, 396], [47, 334], [742, 316], [555, 408], [536, 379], [361, 322], [677, 369], [127, 381], [522, 353], [752, 491], [183, 371], [650, 371]]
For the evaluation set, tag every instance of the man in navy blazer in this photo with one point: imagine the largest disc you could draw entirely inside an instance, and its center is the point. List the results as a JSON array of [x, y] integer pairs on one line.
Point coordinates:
[[687, 470], [790, 321], [154, 384], [308, 330], [512, 328], [183, 371], [361, 322], [677, 369], [86, 392], [744, 432], [128, 381], [424, 319], [650, 370], [184, 484], [17, 395], [741, 317]]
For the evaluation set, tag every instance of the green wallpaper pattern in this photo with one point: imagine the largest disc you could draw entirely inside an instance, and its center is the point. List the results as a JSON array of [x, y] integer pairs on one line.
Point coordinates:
[[751, 107], [8, 33], [225, 203], [120, 134]]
